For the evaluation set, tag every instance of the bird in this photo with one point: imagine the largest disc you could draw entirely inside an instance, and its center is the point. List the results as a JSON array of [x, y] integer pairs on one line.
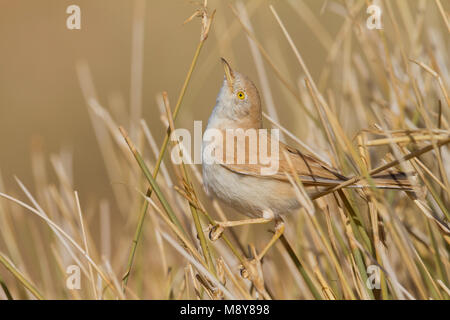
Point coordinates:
[[242, 185]]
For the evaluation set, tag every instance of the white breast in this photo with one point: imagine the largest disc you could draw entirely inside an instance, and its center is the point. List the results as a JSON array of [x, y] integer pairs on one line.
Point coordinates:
[[249, 195]]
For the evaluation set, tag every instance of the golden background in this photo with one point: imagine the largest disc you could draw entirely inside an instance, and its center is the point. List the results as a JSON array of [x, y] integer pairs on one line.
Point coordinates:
[[42, 108], [40, 95]]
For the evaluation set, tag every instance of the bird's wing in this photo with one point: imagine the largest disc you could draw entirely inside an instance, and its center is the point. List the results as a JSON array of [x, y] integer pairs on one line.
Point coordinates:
[[309, 169]]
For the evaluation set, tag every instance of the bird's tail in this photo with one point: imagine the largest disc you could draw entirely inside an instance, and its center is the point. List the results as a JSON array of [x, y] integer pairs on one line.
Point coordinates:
[[397, 180]]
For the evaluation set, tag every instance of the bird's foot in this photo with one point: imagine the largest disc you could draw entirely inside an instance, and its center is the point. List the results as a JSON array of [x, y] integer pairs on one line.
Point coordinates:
[[216, 231], [252, 270]]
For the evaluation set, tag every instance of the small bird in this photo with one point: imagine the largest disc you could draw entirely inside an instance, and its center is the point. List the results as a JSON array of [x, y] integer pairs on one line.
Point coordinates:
[[241, 185]]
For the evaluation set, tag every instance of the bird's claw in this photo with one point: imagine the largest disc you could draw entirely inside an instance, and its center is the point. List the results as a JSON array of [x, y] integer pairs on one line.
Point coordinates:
[[251, 270], [244, 272], [216, 232]]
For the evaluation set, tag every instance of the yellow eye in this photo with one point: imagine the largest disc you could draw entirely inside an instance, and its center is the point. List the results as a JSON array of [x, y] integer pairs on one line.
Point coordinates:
[[241, 95]]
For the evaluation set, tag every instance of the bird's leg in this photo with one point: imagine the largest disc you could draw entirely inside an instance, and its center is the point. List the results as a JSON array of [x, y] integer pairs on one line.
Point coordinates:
[[279, 229], [217, 230], [250, 268], [235, 223]]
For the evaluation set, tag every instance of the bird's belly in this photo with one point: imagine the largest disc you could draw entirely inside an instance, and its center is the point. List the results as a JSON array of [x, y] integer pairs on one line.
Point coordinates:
[[249, 195]]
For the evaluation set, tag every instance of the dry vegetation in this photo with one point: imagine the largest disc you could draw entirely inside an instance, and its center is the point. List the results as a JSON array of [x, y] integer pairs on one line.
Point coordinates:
[[381, 102]]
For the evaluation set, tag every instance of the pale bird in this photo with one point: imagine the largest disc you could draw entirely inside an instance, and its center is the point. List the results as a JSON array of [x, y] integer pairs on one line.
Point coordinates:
[[242, 186]]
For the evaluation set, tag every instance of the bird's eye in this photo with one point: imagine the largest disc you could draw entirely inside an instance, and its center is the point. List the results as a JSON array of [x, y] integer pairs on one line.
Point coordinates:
[[241, 95]]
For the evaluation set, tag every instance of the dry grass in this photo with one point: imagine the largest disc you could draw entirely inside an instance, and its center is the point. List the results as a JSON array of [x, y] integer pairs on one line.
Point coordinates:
[[381, 102]]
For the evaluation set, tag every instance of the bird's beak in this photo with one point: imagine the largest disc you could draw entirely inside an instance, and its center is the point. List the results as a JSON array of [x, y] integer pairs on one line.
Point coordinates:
[[228, 74]]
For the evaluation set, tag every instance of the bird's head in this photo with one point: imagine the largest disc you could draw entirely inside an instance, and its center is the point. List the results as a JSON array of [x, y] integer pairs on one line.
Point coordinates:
[[238, 97]]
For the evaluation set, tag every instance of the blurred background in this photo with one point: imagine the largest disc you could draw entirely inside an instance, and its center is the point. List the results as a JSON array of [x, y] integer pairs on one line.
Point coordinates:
[[40, 95]]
